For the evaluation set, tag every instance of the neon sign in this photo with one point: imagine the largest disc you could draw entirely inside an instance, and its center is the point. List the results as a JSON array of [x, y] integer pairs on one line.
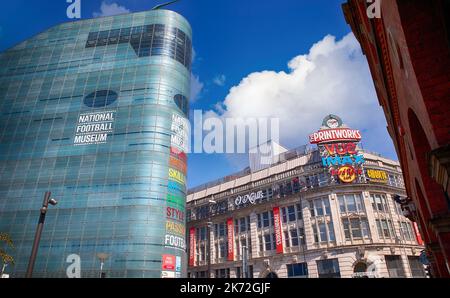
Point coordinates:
[[338, 148]]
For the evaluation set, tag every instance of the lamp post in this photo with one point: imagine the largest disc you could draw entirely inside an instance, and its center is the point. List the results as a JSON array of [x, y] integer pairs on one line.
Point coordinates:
[[37, 236], [102, 257]]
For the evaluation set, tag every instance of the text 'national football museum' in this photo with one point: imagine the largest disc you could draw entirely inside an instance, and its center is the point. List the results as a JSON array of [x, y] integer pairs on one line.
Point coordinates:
[[95, 111]]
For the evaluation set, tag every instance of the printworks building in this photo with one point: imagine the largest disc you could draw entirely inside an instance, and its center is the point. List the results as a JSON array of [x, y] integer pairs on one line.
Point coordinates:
[[295, 218]]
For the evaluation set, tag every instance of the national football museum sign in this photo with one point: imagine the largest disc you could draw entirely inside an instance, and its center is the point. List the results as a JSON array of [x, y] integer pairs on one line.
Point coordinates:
[[338, 149]]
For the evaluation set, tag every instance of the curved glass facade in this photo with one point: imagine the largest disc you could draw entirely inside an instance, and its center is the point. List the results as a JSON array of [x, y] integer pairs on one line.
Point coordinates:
[[95, 112]]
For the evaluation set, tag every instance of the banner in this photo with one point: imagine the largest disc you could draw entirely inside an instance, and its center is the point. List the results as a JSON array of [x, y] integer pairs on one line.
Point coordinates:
[[230, 230], [417, 232], [278, 231], [192, 246]]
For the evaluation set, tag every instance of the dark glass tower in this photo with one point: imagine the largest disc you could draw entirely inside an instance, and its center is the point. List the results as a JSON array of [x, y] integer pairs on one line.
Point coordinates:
[[95, 111]]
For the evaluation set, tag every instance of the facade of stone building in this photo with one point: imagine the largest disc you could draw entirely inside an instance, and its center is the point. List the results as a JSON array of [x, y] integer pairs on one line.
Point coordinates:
[[408, 51], [292, 220]]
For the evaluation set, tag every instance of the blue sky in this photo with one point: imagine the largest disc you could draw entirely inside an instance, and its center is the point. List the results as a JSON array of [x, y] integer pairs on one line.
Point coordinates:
[[292, 59]]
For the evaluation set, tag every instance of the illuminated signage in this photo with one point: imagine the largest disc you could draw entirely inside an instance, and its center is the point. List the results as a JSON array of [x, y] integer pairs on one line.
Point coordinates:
[[277, 228], [335, 135], [230, 230], [377, 175], [191, 246], [252, 197], [93, 128], [342, 160], [347, 174], [338, 149]]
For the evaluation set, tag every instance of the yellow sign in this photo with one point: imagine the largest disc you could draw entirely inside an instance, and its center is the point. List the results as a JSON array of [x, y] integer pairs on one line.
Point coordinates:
[[377, 175], [177, 176], [347, 174]]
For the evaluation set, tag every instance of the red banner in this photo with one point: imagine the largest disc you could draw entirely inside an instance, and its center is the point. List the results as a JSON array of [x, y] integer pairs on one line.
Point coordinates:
[[230, 232], [278, 231], [417, 232], [192, 246]]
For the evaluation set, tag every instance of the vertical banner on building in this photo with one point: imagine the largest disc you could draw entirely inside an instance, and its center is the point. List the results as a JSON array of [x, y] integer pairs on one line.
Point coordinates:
[[417, 232], [192, 246], [277, 227], [230, 233]]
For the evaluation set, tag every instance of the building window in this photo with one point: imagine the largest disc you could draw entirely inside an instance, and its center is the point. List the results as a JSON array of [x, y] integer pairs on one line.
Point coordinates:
[[223, 273], [302, 236], [384, 228], [250, 271], [291, 213], [267, 242], [220, 230], [299, 212], [297, 270], [223, 249], [398, 208], [323, 232], [266, 219], [379, 203], [294, 236], [320, 207], [284, 215], [242, 225], [416, 266], [355, 228], [350, 203], [328, 268], [238, 272], [405, 231], [394, 266], [286, 239]]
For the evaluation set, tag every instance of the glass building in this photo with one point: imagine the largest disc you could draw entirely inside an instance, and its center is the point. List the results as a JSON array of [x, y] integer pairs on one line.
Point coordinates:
[[95, 111]]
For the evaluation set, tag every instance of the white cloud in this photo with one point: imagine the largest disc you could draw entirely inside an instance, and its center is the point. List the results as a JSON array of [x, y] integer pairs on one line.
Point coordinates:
[[110, 9], [219, 80], [196, 87], [333, 78]]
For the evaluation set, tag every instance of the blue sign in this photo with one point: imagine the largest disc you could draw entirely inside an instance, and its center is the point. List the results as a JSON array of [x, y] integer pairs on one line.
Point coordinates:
[[344, 160]]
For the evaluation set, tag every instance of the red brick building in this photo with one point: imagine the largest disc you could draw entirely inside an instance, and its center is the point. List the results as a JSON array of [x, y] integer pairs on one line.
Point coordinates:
[[408, 50]]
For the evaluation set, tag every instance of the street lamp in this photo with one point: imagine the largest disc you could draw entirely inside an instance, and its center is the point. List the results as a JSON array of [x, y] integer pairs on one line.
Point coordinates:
[[37, 236], [102, 257]]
